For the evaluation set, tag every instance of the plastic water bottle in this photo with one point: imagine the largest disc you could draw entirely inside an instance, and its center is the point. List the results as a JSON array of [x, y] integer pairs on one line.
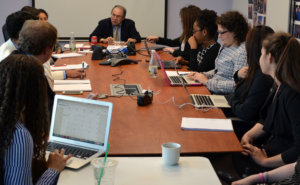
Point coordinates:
[[72, 43], [153, 64]]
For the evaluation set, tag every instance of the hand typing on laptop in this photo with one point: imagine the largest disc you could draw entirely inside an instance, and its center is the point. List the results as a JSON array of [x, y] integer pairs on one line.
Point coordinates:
[[57, 160], [199, 77]]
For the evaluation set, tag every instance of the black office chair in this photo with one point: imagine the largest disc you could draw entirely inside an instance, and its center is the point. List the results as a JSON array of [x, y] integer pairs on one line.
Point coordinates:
[[5, 33]]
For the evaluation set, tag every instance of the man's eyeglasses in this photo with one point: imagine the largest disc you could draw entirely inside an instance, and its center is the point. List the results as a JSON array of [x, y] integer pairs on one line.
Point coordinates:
[[117, 16], [222, 32]]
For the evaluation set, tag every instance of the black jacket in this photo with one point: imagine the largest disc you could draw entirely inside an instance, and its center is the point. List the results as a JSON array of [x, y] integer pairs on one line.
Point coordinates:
[[176, 43], [105, 29]]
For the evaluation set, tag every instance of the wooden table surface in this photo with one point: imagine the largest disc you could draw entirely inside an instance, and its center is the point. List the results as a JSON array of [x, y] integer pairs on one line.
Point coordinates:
[[140, 130]]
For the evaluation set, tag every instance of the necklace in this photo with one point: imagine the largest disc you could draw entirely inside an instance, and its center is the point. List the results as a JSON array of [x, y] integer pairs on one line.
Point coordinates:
[[201, 54]]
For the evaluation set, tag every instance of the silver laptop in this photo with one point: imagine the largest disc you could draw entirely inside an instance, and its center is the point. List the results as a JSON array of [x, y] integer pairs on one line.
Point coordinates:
[[200, 100], [80, 126]]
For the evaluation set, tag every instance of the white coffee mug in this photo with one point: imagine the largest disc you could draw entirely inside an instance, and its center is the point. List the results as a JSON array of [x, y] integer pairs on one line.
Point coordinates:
[[170, 153]]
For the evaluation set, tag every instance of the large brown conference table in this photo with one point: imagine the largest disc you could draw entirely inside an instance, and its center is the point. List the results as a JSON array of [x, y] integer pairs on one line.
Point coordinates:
[[140, 130]]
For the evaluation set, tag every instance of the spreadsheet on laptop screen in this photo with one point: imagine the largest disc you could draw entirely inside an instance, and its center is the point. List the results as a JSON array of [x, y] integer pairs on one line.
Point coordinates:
[[80, 121]]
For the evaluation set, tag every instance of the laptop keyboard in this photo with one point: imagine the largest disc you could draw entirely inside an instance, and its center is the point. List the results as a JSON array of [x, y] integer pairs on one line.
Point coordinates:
[[76, 152], [176, 80], [202, 100]]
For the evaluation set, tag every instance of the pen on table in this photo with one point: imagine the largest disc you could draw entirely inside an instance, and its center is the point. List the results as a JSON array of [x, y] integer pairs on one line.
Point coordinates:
[[82, 69]]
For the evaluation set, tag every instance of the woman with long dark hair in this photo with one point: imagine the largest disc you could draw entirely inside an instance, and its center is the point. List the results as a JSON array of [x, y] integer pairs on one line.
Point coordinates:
[[24, 124]]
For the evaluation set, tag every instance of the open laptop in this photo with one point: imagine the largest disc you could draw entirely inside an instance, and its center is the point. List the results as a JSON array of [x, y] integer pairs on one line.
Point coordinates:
[[174, 77], [167, 64], [80, 126], [200, 101]]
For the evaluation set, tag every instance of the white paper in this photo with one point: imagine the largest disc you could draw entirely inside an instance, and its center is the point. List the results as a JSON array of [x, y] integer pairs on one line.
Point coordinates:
[[68, 67], [67, 55], [207, 124], [174, 73], [72, 85], [67, 46]]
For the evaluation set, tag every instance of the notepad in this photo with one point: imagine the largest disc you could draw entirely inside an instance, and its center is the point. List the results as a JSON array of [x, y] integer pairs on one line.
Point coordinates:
[[72, 85], [68, 67], [206, 124], [67, 55]]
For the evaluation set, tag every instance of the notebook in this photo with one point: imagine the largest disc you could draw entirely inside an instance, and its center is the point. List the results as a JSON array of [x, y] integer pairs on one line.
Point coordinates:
[[81, 126], [176, 78], [167, 64]]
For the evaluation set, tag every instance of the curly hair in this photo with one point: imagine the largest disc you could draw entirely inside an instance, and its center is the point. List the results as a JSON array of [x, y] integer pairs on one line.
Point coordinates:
[[15, 21], [35, 36], [236, 23], [285, 50], [207, 20], [23, 97], [188, 16]]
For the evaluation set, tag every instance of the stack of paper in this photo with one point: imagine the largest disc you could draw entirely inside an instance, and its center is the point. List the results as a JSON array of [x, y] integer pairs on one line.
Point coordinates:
[[69, 66], [79, 45], [67, 55], [206, 124], [72, 85]]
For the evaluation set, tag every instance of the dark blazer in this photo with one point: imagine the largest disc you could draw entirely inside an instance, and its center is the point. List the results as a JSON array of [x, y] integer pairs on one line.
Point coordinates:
[[176, 43], [208, 61], [105, 29], [247, 105], [283, 124]]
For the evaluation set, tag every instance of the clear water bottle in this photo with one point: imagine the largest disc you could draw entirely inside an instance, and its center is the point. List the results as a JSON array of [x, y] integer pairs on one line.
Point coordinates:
[[153, 64], [72, 43]]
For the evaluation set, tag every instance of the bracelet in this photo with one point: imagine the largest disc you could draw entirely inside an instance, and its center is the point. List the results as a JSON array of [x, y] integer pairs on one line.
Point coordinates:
[[266, 177], [261, 177]]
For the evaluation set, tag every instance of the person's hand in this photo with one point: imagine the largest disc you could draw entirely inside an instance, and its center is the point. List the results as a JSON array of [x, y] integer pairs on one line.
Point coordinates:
[[245, 141], [243, 72], [168, 49], [257, 154], [199, 77], [131, 40], [57, 160], [75, 73], [107, 40], [193, 42], [181, 60], [152, 38]]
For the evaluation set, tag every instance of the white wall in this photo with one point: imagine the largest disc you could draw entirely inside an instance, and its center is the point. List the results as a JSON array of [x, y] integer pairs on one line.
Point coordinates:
[[277, 15], [7, 7], [174, 28]]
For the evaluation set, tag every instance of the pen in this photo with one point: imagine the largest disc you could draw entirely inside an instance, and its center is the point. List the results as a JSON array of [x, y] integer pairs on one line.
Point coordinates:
[[183, 74], [82, 69]]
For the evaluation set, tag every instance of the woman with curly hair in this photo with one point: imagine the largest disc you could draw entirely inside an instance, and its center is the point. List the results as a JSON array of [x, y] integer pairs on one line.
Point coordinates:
[[204, 48], [188, 15], [232, 30], [24, 124]]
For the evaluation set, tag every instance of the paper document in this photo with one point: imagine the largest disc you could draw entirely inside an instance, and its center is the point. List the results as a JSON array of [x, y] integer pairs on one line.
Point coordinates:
[[67, 55], [67, 46], [206, 124], [72, 85], [68, 67], [174, 73]]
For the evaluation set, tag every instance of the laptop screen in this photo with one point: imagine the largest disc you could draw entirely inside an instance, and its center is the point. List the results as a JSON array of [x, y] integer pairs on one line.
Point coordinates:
[[80, 120]]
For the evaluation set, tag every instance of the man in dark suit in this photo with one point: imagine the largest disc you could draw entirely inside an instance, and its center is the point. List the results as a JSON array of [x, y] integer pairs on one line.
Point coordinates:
[[116, 28]]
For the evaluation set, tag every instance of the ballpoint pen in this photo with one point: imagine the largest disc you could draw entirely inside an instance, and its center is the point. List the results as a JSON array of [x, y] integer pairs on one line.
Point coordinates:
[[82, 69]]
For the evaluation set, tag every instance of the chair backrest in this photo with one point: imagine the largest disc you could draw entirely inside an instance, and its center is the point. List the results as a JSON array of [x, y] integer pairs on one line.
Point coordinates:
[[5, 33]]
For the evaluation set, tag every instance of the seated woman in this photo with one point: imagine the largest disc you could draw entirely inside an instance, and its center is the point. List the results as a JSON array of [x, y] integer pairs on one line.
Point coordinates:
[[252, 86], [288, 174], [188, 16], [204, 48], [232, 29], [280, 59], [24, 124]]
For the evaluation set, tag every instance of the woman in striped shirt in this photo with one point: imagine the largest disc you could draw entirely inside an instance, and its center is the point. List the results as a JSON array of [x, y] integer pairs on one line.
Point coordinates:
[[24, 124]]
